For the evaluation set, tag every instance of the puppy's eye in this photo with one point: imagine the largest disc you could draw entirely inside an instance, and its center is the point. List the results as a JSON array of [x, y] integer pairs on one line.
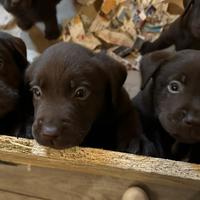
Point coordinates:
[[36, 92], [175, 87], [1, 63], [82, 93]]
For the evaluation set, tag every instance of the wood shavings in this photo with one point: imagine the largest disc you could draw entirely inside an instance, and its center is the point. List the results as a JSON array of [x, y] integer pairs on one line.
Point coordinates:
[[14, 142], [38, 149], [19, 145]]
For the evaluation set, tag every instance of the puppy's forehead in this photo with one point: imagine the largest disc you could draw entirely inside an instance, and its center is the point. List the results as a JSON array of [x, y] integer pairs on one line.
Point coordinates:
[[66, 55], [65, 60], [185, 62]]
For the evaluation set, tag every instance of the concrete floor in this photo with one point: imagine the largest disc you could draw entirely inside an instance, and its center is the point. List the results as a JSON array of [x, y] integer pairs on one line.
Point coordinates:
[[36, 43]]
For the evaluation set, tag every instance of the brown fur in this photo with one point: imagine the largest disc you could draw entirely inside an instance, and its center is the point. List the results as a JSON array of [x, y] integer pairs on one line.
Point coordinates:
[[14, 110], [103, 116], [170, 117]]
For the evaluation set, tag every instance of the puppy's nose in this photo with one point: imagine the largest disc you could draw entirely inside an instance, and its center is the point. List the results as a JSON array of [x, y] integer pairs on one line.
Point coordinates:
[[50, 132], [191, 120]]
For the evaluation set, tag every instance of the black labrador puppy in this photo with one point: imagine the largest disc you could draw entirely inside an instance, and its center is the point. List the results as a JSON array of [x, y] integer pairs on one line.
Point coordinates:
[[184, 32], [79, 99], [28, 12], [14, 104], [169, 102]]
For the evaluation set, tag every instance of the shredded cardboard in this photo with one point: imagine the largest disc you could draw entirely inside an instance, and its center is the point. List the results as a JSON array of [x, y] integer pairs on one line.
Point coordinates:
[[86, 2], [123, 25]]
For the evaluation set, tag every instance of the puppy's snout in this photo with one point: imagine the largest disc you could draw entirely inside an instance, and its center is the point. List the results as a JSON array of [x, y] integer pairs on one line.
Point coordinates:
[[63, 122], [50, 132], [191, 120], [51, 127]]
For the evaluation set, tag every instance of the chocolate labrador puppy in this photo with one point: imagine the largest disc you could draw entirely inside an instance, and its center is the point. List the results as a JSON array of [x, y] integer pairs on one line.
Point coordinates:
[[169, 102], [28, 12], [79, 99], [14, 108], [184, 32]]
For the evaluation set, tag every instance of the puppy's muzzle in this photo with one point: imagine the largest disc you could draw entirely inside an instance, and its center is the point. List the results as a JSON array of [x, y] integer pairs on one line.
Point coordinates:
[[185, 126], [50, 132], [191, 120], [50, 129]]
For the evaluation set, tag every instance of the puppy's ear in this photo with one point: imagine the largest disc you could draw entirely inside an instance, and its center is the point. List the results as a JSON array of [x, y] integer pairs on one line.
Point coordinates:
[[18, 49], [115, 71], [151, 63]]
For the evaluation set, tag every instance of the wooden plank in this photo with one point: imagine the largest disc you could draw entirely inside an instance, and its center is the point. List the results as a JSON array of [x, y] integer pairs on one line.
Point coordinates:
[[9, 195], [53, 184], [84, 173], [21, 150]]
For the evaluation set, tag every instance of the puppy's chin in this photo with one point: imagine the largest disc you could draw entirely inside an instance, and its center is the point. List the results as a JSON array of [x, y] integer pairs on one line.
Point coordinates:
[[58, 142], [54, 144], [178, 131]]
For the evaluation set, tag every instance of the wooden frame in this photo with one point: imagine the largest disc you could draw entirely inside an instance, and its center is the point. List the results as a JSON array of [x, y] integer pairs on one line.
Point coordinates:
[[31, 172]]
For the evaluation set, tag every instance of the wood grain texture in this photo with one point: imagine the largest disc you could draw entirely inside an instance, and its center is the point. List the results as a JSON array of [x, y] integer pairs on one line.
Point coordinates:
[[84, 173], [53, 184], [9, 195]]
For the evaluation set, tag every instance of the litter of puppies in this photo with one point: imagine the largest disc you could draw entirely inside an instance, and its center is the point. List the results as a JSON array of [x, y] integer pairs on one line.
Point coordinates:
[[63, 101]]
